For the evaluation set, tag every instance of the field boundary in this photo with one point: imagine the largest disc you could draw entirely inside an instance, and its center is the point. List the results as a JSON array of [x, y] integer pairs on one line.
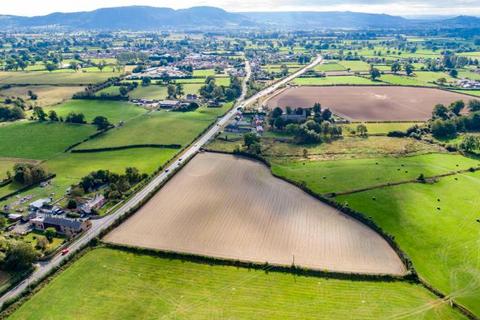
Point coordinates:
[[131, 146], [412, 277]]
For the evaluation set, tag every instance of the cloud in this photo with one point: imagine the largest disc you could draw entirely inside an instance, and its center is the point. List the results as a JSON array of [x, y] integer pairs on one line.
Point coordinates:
[[402, 7]]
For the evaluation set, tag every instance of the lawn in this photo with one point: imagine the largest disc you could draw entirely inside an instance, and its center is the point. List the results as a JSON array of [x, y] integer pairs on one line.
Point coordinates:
[[68, 77], [113, 284], [203, 73], [437, 226], [35, 140], [115, 111], [346, 175], [334, 80], [159, 127]]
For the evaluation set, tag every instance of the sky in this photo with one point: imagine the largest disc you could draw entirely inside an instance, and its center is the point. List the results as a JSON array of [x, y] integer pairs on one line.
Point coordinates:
[[402, 7]]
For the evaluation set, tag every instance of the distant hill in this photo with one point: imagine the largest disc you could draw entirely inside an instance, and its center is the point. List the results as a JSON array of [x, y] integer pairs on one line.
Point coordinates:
[[328, 19], [132, 18], [153, 18]]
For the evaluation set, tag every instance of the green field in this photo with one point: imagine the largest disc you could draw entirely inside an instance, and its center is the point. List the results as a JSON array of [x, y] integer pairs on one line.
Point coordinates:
[[404, 80], [63, 78], [470, 92], [355, 66], [383, 127], [331, 66], [437, 226], [112, 284], [334, 80], [159, 127], [35, 140], [346, 175], [159, 92], [71, 167], [115, 111]]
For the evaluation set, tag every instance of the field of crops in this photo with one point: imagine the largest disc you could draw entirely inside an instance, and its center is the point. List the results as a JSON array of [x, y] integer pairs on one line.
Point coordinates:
[[62, 78], [47, 95], [234, 208], [385, 103]]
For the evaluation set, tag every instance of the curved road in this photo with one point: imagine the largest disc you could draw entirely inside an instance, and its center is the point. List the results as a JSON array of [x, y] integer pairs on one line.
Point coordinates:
[[100, 225]]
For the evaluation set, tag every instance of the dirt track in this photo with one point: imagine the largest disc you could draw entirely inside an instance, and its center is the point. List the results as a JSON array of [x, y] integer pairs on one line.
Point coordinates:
[[369, 103], [230, 207]]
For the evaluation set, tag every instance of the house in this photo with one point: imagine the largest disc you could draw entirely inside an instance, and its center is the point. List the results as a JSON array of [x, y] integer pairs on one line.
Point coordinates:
[[168, 104], [213, 104], [15, 217], [38, 204], [234, 128], [68, 227], [93, 204]]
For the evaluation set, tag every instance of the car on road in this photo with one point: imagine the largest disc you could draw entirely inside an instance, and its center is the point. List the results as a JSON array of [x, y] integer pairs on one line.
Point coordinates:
[[65, 251]]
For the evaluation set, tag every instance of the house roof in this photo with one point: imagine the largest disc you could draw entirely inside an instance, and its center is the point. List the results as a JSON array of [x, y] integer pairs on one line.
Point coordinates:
[[63, 222]]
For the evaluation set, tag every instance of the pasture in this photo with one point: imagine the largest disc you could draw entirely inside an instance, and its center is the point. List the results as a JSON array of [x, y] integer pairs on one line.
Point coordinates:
[[159, 92], [158, 128], [383, 127], [233, 208], [346, 175], [334, 80], [36, 140], [134, 286], [47, 95], [48, 78], [115, 111], [437, 226], [383, 103]]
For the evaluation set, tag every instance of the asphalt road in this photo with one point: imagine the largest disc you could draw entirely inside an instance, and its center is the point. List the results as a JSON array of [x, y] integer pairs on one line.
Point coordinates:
[[99, 225]]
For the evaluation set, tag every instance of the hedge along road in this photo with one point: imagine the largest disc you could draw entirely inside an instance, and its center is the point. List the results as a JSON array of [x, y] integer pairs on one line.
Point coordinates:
[[98, 226]]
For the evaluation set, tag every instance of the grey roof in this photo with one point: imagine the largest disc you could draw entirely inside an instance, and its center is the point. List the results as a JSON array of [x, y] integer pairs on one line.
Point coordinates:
[[64, 222]]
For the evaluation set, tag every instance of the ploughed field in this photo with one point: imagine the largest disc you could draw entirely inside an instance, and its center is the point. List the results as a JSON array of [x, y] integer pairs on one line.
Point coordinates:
[[231, 207], [369, 103]]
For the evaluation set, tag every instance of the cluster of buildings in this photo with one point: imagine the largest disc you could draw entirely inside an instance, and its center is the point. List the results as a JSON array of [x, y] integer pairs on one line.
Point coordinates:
[[246, 124], [468, 84], [42, 215], [168, 104], [160, 73], [204, 61]]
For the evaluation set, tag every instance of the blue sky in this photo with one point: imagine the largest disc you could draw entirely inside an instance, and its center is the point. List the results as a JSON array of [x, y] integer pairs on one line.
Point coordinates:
[[403, 7]]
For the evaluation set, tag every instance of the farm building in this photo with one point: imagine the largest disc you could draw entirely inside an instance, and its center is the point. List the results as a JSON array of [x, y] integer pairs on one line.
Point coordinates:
[[68, 227]]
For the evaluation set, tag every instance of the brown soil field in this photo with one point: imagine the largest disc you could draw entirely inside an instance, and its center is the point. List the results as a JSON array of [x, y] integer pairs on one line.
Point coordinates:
[[231, 207], [47, 95], [369, 103]]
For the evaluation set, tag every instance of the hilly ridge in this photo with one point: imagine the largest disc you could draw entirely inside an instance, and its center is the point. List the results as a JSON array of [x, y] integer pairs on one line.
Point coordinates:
[[156, 18]]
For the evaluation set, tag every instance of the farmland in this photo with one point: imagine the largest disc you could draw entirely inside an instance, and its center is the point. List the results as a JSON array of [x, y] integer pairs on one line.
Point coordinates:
[[47, 95], [115, 111], [47, 78], [436, 225], [334, 80], [157, 127], [293, 224], [34, 140], [179, 289], [369, 103], [345, 175]]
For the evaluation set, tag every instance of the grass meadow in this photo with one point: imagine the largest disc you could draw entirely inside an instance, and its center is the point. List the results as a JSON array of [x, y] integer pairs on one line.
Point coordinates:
[[334, 80], [437, 225], [115, 111], [113, 284], [35, 140]]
